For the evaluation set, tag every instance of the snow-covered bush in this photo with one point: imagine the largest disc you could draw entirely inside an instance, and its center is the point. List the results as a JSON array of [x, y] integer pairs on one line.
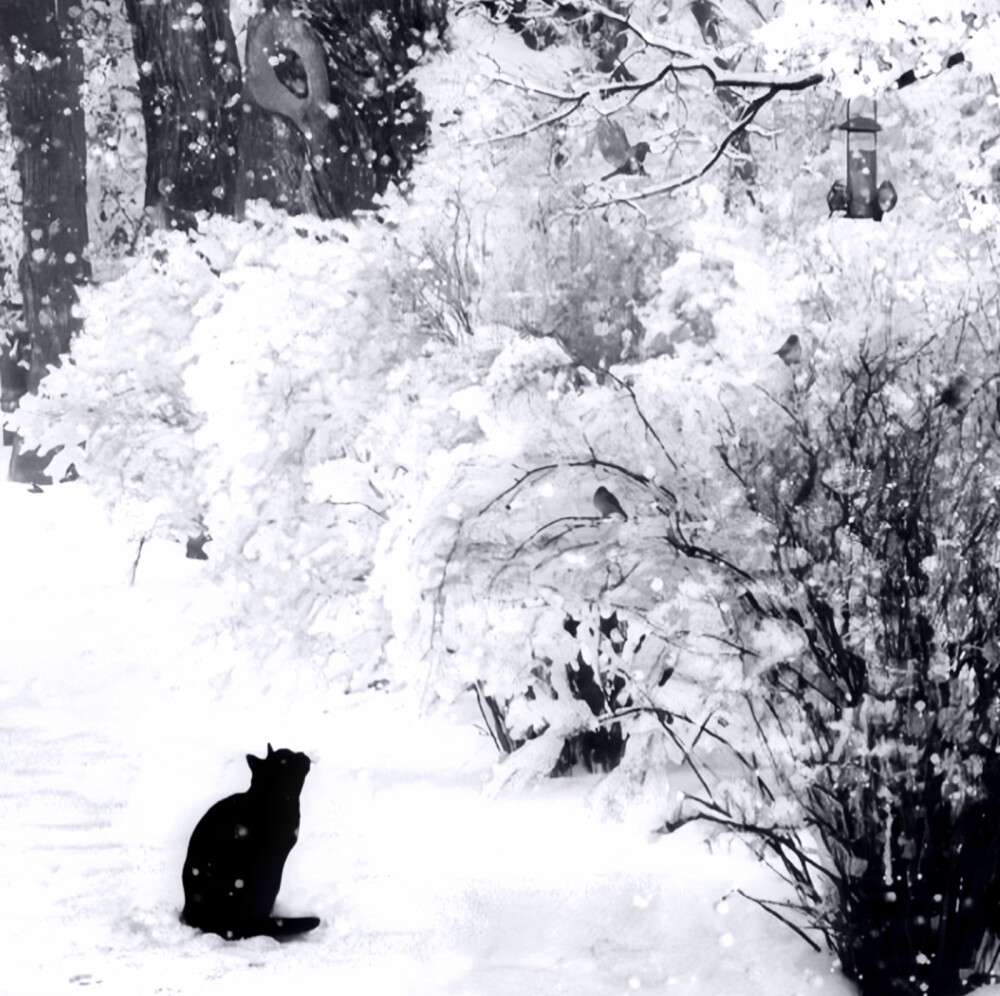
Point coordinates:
[[512, 579], [272, 382], [227, 382], [874, 641], [603, 674], [259, 381]]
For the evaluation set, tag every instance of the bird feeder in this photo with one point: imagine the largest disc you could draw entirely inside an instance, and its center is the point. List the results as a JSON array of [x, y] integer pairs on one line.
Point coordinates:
[[862, 196]]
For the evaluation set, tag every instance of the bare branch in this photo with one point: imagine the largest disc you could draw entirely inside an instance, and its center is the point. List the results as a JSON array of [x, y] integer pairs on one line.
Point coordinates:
[[719, 78], [682, 59], [751, 111], [439, 595], [546, 122], [574, 522], [534, 472], [694, 58], [572, 96], [361, 504], [769, 907], [642, 416]]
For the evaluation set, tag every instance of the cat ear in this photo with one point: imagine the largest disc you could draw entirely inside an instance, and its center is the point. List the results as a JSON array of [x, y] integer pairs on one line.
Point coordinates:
[[270, 751], [254, 762]]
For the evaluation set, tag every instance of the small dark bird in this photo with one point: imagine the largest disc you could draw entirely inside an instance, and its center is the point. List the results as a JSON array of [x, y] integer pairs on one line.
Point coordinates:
[[608, 505], [790, 352], [836, 198], [626, 158], [957, 393], [633, 162], [886, 196], [196, 547]]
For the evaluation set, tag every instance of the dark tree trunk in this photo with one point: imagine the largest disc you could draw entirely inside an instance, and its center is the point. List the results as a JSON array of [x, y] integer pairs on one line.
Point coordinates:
[[45, 71], [291, 151], [189, 81], [369, 59], [376, 123]]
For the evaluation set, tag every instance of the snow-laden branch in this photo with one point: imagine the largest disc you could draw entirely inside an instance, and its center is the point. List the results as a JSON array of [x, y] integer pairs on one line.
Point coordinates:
[[573, 100], [555, 117], [681, 59], [687, 58], [658, 189], [775, 82]]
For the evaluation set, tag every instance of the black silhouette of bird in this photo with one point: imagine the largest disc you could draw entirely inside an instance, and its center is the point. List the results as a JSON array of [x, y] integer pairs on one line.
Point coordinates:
[[836, 198], [957, 393], [608, 505], [885, 200], [790, 352], [626, 158], [196, 547], [633, 162], [886, 196]]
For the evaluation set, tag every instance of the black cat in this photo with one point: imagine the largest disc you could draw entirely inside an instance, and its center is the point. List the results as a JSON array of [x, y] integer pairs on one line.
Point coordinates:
[[238, 851]]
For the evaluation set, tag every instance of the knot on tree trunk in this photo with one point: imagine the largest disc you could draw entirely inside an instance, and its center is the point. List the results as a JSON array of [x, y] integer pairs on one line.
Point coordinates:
[[270, 37]]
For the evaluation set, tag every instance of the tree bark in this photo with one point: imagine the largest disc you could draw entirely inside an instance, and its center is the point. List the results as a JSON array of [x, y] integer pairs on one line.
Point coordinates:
[[39, 44], [40, 48], [377, 121], [190, 83]]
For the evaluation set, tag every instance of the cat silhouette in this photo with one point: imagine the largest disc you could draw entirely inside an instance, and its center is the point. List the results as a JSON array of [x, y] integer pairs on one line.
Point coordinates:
[[238, 849]]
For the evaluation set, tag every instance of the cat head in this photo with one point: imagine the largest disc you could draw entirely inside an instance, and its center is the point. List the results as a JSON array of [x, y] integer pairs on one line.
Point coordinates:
[[281, 769]]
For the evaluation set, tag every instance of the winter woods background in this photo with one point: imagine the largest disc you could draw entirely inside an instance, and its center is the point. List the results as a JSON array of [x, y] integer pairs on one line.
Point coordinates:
[[385, 348]]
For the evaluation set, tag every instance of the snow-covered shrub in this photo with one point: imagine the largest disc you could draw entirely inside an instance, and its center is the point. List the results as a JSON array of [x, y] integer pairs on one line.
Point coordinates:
[[499, 579], [440, 285], [508, 235], [259, 381], [230, 381], [874, 639], [602, 674], [591, 283], [585, 286]]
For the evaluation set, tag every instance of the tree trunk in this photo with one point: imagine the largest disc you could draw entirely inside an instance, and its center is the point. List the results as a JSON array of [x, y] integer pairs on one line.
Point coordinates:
[[189, 81], [375, 124], [39, 43]]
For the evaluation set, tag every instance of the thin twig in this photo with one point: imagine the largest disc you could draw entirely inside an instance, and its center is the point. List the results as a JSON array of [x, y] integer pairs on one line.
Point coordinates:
[[764, 905], [546, 122], [749, 113], [135, 564], [642, 416]]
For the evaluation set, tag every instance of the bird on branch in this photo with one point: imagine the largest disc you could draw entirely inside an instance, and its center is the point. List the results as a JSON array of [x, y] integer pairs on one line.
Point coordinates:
[[790, 352], [957, 393], [626, 158], [608, 505]]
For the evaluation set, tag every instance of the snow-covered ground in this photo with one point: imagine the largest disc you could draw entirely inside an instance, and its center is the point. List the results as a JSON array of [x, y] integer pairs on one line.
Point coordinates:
[[120, 723]]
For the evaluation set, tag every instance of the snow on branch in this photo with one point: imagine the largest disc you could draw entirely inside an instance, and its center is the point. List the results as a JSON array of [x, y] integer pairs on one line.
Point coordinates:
[[681, 59], [692, 59], [775, 82], [746, 118]]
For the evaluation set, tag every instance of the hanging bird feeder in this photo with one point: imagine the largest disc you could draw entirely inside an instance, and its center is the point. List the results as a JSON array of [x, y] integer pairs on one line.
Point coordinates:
[[862, 196]]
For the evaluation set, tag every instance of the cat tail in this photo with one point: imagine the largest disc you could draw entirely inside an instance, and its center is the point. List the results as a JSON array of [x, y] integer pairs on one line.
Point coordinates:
[[289, 926], [265, 926]]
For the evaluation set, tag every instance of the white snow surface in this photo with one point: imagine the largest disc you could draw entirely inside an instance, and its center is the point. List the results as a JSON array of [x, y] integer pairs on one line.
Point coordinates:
[[121, 722]]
